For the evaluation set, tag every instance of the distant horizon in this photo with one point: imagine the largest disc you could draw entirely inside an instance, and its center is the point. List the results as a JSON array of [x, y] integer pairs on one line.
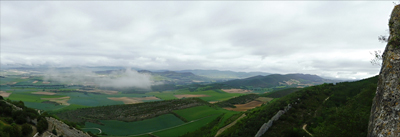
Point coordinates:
[[163, 70]]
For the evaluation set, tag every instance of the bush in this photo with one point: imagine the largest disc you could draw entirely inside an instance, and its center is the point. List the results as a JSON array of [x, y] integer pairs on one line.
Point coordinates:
[[26, 129], [42, 124]]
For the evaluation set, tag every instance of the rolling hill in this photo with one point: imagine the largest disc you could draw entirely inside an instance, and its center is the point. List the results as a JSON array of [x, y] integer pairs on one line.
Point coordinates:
[[225, 75], [270, 81]]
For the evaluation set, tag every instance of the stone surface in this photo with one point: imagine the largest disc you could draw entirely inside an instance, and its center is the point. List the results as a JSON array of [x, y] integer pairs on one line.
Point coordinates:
[[62, 129], [385, 111]]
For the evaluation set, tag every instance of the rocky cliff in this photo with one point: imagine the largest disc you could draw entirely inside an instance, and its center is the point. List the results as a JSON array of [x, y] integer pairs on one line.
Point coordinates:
[[385, 111], [61, 129]]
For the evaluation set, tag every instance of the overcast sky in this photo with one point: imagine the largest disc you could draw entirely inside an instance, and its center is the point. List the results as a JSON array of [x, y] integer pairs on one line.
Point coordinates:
[[331, 39]]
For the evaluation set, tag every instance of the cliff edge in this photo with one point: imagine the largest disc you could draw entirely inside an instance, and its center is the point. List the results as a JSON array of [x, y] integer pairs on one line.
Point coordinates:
[[385, 111]]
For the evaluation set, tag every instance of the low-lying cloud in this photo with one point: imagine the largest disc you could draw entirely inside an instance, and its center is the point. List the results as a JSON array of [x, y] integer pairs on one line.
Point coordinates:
[[117, 79]]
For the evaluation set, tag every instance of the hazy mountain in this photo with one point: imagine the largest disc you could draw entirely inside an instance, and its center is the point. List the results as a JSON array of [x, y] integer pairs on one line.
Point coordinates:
[[277, 80], [217, 74]]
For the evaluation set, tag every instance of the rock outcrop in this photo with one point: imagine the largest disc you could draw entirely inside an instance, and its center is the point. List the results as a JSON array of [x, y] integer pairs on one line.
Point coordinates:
[[385, 111], [62, 129]]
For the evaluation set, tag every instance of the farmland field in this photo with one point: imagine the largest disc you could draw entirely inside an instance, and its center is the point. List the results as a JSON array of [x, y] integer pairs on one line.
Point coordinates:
[[197, 112], [43, 106], [180, 130], [163, 95], [120, 128], [70, 107], [31, 97]]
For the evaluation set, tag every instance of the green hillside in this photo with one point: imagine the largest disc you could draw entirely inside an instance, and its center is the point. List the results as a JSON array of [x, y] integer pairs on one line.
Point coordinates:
[[217, 74], [275, 80], [15, 119], [326, 110]]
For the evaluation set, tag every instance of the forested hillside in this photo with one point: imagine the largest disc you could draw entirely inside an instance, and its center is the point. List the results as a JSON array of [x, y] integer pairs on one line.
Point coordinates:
[[326, 110], [277, 80], [16, 120]]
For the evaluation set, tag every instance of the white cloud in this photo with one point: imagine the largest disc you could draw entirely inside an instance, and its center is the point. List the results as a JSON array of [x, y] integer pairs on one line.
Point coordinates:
[[325, 38]]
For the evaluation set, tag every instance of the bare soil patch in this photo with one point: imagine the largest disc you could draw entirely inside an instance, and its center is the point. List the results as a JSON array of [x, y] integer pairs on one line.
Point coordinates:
[[4, 94], [212, 102], [46, 82], [34, 81], [61, 100], [236, 90], [44, 93], [190, 96], [132, 100], [264, 99], [24, 77], [247, 106]]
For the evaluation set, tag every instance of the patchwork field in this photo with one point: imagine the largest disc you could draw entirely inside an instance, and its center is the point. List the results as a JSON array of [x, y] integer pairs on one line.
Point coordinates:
[[55, 97]]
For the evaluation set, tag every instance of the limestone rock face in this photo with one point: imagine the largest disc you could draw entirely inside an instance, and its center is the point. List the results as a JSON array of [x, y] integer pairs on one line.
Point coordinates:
[[62, 129], [385, 111]]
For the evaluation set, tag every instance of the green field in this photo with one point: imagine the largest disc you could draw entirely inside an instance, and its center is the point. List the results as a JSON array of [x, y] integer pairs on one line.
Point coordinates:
[[28, 97], [70, 107], [94, 131], [120, 128], [43, 106], [197, 112], [192, 126]]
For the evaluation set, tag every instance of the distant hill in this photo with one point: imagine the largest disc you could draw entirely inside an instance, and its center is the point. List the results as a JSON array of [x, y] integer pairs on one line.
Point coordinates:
[[227, 75], [177, 77], [291, 80]]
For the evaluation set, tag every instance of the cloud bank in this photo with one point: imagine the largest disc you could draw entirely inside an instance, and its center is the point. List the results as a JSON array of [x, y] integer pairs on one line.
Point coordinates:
[[117, 79], [328, 38]]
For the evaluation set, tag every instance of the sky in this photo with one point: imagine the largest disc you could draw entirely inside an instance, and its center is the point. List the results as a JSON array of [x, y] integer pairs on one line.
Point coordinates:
[[326, 38]]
